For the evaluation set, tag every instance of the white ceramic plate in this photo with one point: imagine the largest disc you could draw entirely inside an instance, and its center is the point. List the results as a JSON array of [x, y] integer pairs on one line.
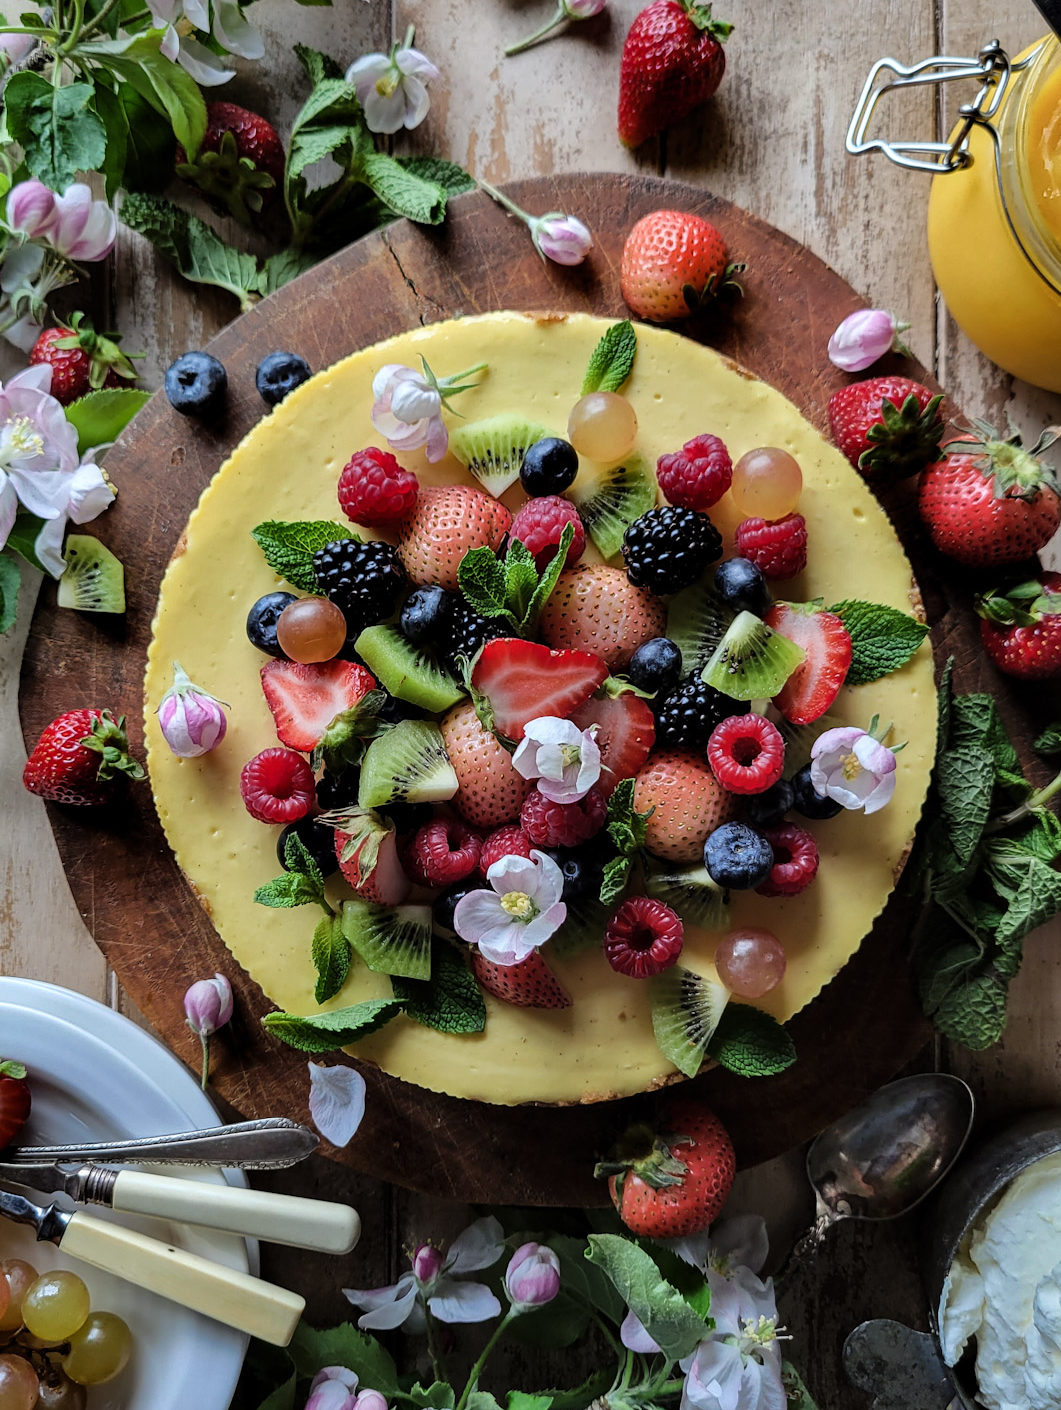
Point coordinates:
[[95, 1075]]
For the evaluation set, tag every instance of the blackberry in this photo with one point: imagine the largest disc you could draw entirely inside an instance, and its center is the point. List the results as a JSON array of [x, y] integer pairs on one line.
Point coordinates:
[[362, 579], [337, 790], [465, 634], [446, 904], [685, 719], [768, 808], [667, 549], [407, 817]]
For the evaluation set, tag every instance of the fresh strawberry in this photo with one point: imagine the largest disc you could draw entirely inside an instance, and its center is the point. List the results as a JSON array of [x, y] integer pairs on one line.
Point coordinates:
[[531, 984], [596, 608], [888, 427], [673, 263], [672, 62], [815, 683], [686, 802], [990, 501], [523, 680], [304, 699], [1021, 628], [673, 1180], [78, 757], [448, 522], [81, 359], [367, 852], [490, 791], [240, 164], [14, 1100], [625, 735]]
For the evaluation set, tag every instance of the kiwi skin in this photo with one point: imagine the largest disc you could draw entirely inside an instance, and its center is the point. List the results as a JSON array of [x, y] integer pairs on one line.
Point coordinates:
[[407, 764], [94, 580], [609, 500], [493, 449], [686, 1009]]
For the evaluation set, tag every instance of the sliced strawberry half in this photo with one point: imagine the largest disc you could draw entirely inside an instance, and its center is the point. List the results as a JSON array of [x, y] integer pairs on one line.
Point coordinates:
[[531, 984], [15, 1099], [626, 734], [305, 699], [815, 683], [366, 849], [523, 680]]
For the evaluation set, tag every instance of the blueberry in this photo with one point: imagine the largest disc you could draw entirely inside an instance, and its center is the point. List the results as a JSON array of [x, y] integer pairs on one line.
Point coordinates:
[[318, 840], [737, 857], [425, 614], [741, 585], [809, 801], [196, 385], [262, 620], [582, 874], [446, 904], [278, 374], [656, 666], [766, 809], [337, 790], [549, 466]]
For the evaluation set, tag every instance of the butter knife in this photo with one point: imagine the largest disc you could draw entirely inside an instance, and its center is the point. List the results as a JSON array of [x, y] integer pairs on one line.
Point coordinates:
[[280, 1219], [272, 1143]]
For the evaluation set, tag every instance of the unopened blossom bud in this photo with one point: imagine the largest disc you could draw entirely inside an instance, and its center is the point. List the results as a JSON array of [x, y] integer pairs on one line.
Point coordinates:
[[371, 1400], [532, 1277], [191, 720], [865, 336], [427, 1263], [16, 47], [208, 1005], [582, 9], [330, 1395], [84, 229], [561, 238], [30, 209]]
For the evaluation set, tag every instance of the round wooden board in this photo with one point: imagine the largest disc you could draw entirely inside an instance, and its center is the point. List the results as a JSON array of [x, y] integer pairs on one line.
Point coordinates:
[[144, 917]]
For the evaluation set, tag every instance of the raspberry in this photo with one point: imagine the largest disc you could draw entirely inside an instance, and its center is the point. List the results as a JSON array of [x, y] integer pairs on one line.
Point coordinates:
[[698, 475], [442, 852], [277, 786], [642, 938], [539, 524], [777, 547], [374, 490], [746, 754], [509, 841], [549, 824], [795, 861]]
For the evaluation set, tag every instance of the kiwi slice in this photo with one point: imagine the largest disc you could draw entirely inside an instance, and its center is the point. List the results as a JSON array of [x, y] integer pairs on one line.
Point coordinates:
[[390, 939], [697, 619], [582, 929], [692, 892], [408, 764], [94, 580], [406, 671], [493, 449], [686, 1009], [751, 661], [609, 499]]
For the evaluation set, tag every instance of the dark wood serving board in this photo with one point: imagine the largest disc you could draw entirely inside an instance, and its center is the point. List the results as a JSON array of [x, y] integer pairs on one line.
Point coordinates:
[[144, 917]]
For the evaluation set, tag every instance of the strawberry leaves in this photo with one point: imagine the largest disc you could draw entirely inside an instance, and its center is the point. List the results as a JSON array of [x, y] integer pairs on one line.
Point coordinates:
[[511, 588]]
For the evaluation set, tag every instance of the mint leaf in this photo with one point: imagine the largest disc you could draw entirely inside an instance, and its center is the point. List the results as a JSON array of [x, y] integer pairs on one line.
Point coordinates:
[[281, 268], [318, 66], [450, 1001], [100, 417], [198, 251], [57, 128], [453, 179], [331, 957], [344, 1345], [324, 1032], [974, 1012], [965, 781], [541, 594], [10, 581], [612, 359], [613, 884], [1049, 742], [664, 1313], [627, 828], [401, 190], [521, 579], [975, 720], [1032, 888], [482, 580], [138, 61], [287, 891], [882, 638], [297, 859], [751, 1043], [289, 547]]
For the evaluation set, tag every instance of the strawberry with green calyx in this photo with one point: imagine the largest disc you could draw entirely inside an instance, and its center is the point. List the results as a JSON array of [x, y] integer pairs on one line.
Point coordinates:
[[78, 758], [887, 427], [675, 263], [81, 359], [672, 62], [366, 848], [240, 164], [1021, 627], [14, 1100]]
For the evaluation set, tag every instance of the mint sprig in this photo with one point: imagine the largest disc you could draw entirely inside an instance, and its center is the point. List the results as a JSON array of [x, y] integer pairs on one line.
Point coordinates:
[[302, 884], [627, 830], [289, 547], [450, 1001], [612, 360], [511, 588], [324, 1032], [882, 638], [750, 1043]]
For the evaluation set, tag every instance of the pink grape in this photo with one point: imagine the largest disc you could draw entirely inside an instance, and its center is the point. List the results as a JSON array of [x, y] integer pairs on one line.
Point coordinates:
[[19, 1386], [750, 962], [767, 483]]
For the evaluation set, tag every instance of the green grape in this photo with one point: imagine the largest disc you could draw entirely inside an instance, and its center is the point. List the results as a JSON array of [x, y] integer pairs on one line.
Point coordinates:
[[19, 1386], [55, 1306], [18, 1275], [99, 1350], [59, 1393]]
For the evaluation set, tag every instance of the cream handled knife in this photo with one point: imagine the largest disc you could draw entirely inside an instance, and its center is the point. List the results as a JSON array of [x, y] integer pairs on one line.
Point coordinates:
[[227, 1296], [278, 1219]]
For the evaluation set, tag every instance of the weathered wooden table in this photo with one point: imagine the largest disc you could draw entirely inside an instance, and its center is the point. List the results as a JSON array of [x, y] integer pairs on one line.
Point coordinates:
[[772, 140]]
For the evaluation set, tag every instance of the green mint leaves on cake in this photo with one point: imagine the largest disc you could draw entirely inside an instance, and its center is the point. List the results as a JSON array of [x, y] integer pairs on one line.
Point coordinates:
[[612, 360], [289, 547], [882, 638], [511, 588], [627, 830]]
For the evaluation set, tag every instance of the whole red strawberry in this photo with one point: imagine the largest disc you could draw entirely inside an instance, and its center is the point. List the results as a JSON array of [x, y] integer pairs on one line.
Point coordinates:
[[81, 359], [674, 263], [14, 1100], [888, 427], [78, 756], [673, 1180], [990, 501], [1021, 628], [672, 62], [240, 164]]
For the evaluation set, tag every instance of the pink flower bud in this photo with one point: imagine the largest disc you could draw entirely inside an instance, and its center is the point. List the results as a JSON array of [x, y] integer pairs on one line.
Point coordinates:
[[330, 1395], [17, 47], [208, 1005], [561, 238], [31, 209], [371, 1400], [582, 9], [863, 337], [84, 229], [342, 1374], [532, 1277], [427, 1263], [191, 720]]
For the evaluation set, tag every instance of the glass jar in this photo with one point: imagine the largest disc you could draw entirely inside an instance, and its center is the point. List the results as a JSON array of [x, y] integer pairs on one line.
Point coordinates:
[[994, 211]]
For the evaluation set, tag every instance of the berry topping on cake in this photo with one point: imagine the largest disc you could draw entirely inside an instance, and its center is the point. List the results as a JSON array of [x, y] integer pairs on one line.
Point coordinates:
[[668, 548], [277, 786], [741, 585], [596, 608], [686, 717], [746, 753], [807, 800], [317, 838], [262, 619], [490, 791], [625, 734], [531, 984], [366, 848], [685, 802], [523, 680], [656, 666], [448, 522], [305, 699], [698, 475], [539, 524], [426, 615], [814, 685], [769, 807], [443, 852], [549, 467], [465, 634], [643, 937], [509, 841], [777, 547], [888, 427], [311, 629], [738, 857], [767, 483], [374, 490], [550, 824], [750, 962], [362, 579], [795, 860]]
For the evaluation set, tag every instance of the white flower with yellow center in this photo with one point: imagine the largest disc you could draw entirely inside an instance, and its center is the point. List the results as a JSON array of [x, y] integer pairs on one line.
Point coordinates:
[[518, 914], [564, 759], [853, 768]]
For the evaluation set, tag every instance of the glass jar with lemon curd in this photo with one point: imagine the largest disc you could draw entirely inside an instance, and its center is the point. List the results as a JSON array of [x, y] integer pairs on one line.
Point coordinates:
[[994, 212]]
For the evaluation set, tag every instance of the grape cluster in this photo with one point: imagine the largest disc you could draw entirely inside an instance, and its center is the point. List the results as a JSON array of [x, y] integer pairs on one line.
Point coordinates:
[[52, 1345]]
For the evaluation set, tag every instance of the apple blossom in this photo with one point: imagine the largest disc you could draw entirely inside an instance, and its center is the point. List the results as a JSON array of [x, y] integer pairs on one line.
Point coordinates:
[[864, 336], [208, 1007], [336, 1101], [853, 768], [407, 409], [191, 720], [510, 922], [562, 238], [30, 209], [565, 10], [370, 1400], [409, 1299], [16, 48], [532, 1277], [82, 228], [38, 453], [565, 760], [392, 88], [229, 28]]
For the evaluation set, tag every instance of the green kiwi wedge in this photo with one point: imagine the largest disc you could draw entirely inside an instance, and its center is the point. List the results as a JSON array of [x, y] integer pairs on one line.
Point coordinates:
[[406, 671], [94, 580], [686, 1009], [692, 892], [390, 939], [697, 619], [751, 662], [609, 499], [493, 449], [582, 928], [408, 764]]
